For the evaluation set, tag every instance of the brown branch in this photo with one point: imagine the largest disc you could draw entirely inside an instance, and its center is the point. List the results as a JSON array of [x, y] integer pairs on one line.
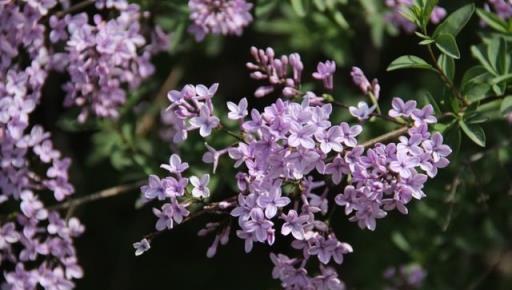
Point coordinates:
[[106, 193], [149, 119], [77, 7], [445, 78], [385, 137], [214, 207]]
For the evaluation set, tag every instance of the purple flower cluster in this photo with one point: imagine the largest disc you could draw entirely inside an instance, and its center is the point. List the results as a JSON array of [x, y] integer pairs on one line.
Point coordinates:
[[190, 109], [372, 90], [292, 162], [293, 275], [285, 73], [503, 8], [396, 18], [172, 190], [104, 57], [37, 250], [226, 17], [405, 277]]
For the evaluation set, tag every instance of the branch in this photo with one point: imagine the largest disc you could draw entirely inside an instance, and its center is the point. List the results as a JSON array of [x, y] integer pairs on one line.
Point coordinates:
[[388, 136], [77, 7], [106, 193], [445, 78], [215, 207]]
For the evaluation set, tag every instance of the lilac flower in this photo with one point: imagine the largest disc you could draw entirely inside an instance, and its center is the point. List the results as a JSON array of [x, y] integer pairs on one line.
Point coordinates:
[[502, 8], [401, 108], [213, 156], [403, 164], [239, 111], [328, 280], [360, 79], [200, 186], [226, 17], [425, 115], [205, 122], [141, 247], [325, 72], [271, 201], [396, 18], [349, 134], [155, 188], [294, 224], [258, 225], [362, 111], [438, 14], [331, 140], [175, 165], [170, 213], [302, 136]]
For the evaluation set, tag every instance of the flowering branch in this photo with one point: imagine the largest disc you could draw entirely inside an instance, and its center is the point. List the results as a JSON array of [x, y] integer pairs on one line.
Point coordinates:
[[386, 137], [102, 194], [77, 7]]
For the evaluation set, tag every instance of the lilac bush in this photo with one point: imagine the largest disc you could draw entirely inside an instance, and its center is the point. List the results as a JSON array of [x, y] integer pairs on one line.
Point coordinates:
[[295, 167], [283, 168]]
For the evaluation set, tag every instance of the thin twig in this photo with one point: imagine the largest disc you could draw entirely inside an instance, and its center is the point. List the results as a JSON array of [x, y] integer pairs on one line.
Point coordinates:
[[489, 270], [106, 193], [148, 120], [445, 78], [209, 208], [451, 200], [77, 7], [385, 137]]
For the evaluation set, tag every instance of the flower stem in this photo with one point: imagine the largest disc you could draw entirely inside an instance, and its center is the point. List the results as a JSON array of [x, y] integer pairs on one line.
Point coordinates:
[[388, 136]]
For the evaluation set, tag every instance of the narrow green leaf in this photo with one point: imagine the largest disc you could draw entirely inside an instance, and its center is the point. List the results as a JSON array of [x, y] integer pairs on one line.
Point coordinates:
[[409, 61], [481, 56], [454, 23], [474, 132], [476, 74], [506, 105], [452, 138], [320, 5], [340, 19], [298, 6], [426, 42], [448, 45], [492, 20], [500, 79], [400, 241], [431, 100], [447, 65]]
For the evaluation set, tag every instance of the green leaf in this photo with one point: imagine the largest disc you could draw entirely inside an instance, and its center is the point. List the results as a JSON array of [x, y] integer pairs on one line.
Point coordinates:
[[474, 132], [454, 23], [476, 74], [481, 56], [452, 137], [340, 19], [298, 6], [476, 91], [497, 54], [431, 100], [500, 79], [428, 6], [448, 45], [492, 20], [320, 4], [400, 241], [409, 61], [447, 65], [506, 105]]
